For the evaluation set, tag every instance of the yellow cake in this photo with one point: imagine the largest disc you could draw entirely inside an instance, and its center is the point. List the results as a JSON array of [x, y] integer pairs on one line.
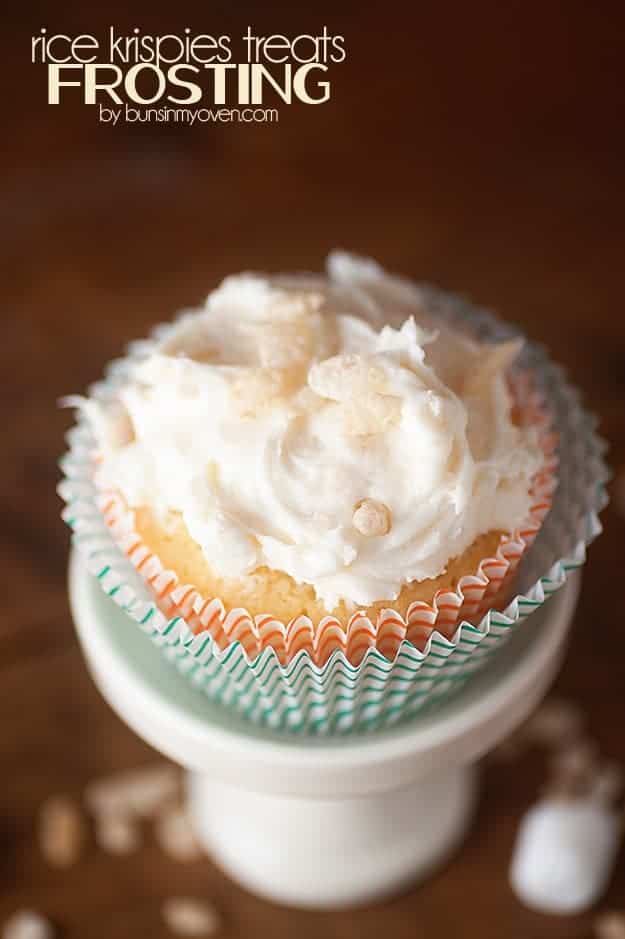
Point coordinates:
[[265, 590]]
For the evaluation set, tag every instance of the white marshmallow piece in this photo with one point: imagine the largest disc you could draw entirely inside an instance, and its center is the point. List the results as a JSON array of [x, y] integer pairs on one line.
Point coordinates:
[[564, 855]]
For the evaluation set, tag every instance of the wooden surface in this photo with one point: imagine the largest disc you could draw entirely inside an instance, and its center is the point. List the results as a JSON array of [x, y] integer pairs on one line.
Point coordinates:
[[479, 146]]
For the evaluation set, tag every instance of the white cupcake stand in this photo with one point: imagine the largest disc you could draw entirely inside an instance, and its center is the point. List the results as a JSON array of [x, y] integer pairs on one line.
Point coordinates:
[[326, 822]]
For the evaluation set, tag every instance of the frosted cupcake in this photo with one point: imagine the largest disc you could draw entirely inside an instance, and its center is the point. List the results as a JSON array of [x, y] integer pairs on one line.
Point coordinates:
[[318, 462]]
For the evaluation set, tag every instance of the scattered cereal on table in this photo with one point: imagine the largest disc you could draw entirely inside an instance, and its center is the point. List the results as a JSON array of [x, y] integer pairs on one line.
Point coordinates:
[[174, 832], [186, 916], [61, 831], [607, 784], [27, 924], [554, 723], [610, 925], [117, 834], [576, 763], [135, 792]]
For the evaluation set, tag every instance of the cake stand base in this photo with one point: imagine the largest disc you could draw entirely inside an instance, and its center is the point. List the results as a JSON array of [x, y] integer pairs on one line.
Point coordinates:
[[332, 852], [321, 822]]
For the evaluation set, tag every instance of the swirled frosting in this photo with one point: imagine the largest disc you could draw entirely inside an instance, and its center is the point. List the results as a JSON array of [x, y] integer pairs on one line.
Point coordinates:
[[323, 426]]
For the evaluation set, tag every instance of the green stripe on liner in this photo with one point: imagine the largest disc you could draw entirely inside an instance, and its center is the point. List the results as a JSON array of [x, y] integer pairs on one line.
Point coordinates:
[[170, 626], [437, 655], [235, 649], [199, 651]]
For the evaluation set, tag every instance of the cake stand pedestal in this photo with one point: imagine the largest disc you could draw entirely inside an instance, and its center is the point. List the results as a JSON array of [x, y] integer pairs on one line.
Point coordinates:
[[322, 822]]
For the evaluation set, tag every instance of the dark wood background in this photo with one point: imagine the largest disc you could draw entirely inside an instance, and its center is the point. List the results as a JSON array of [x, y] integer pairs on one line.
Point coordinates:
[[477, 145]]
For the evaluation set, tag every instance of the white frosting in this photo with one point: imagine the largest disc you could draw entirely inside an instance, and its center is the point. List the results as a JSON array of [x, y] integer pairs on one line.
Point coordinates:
[[268, 416]]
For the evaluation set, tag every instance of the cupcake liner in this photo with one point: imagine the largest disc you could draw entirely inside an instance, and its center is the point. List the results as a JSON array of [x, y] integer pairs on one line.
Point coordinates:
[[379, 674]]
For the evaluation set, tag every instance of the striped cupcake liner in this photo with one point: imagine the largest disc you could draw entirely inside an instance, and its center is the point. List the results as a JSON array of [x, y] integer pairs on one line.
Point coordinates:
[[288, 677]]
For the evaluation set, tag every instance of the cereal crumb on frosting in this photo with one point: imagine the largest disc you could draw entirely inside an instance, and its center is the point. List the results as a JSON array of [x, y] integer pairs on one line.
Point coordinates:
[[371, 518]]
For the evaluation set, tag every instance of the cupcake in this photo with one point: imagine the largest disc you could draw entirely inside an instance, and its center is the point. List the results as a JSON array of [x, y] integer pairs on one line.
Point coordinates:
[[320, 464]]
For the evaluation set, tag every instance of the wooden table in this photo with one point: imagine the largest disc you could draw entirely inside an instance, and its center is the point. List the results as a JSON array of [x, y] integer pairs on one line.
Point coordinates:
[[480, 147]]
